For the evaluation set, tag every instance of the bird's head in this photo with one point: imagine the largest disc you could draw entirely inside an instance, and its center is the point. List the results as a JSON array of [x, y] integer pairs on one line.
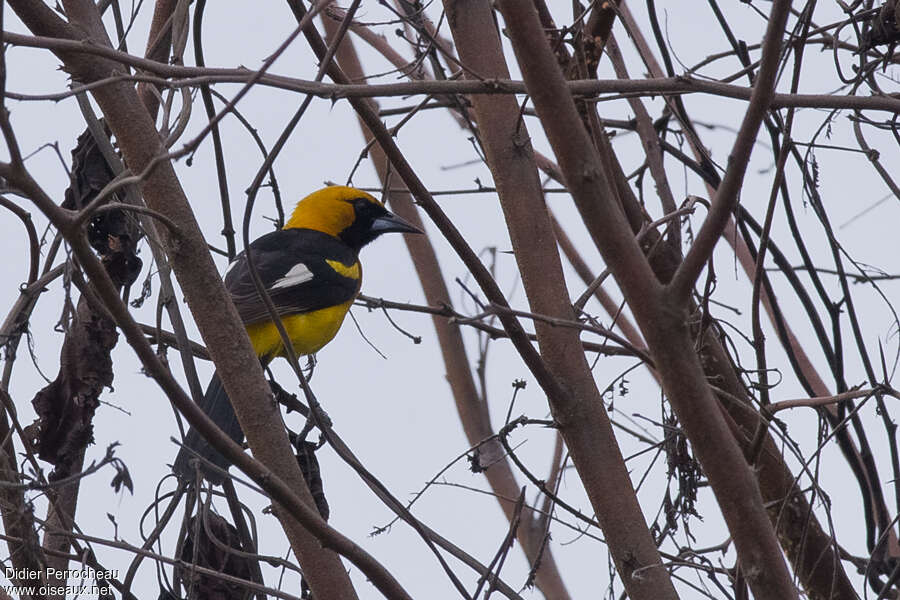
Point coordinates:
[[352, 215]]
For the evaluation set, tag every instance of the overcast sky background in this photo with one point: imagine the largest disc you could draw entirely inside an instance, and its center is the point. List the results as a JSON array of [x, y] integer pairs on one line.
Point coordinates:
[[397, 413]]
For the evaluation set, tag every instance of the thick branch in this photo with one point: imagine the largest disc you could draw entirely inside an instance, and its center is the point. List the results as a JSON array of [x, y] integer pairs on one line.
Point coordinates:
[[661, 322], [210, 304], [473, 412], [579, 408]]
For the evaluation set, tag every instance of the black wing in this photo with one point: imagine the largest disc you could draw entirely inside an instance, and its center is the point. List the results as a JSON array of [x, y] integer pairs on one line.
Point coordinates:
[[293, 266]]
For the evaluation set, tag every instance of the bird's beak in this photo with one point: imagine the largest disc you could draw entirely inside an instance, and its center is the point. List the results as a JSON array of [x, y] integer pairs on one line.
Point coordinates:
[[392, 223]]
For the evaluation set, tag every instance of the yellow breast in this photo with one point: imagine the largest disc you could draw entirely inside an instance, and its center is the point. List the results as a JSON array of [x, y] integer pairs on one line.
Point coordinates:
[[309, 332]]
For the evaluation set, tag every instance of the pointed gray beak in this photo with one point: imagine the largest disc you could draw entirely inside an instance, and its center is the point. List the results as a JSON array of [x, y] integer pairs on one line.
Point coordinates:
[[392, 223]]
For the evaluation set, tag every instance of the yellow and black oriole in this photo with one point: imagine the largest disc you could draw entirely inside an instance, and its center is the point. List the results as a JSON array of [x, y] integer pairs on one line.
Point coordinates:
[[311, 271]]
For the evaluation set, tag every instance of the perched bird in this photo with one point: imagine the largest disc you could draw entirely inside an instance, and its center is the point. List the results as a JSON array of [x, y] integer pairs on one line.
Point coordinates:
[[311, 271]]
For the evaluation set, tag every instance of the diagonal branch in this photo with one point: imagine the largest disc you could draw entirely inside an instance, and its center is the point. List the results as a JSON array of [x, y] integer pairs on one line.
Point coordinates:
[[661, 321], [473, 413], [729, 191], [579, 411], [211, 305]]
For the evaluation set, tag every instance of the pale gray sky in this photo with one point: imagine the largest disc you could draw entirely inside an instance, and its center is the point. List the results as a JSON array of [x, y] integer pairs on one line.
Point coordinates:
[[398, 414]]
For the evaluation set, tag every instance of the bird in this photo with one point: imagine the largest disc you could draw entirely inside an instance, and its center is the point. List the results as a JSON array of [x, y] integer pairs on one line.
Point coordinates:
[[310, 269]]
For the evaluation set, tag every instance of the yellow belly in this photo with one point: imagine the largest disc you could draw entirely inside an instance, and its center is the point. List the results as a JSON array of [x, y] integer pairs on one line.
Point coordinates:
[[308, 331]]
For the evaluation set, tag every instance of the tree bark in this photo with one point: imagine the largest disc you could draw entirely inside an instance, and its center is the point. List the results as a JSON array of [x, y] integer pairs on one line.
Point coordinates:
[[579, 410], [214, 313], [660, 316], [473, 413]]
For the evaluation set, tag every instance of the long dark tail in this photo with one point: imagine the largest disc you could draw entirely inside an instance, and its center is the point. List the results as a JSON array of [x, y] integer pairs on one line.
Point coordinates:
[[217, 407]]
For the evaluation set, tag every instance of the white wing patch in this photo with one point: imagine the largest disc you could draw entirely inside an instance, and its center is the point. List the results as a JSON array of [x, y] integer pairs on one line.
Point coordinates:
[[231, 265], [298, 274]]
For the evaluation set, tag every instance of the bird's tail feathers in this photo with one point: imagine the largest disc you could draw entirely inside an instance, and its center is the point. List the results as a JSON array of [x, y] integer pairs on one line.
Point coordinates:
[[217, 407]]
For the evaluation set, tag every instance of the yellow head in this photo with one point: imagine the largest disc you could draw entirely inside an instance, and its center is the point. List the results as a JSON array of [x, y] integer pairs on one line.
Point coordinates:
[[347, 213]]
